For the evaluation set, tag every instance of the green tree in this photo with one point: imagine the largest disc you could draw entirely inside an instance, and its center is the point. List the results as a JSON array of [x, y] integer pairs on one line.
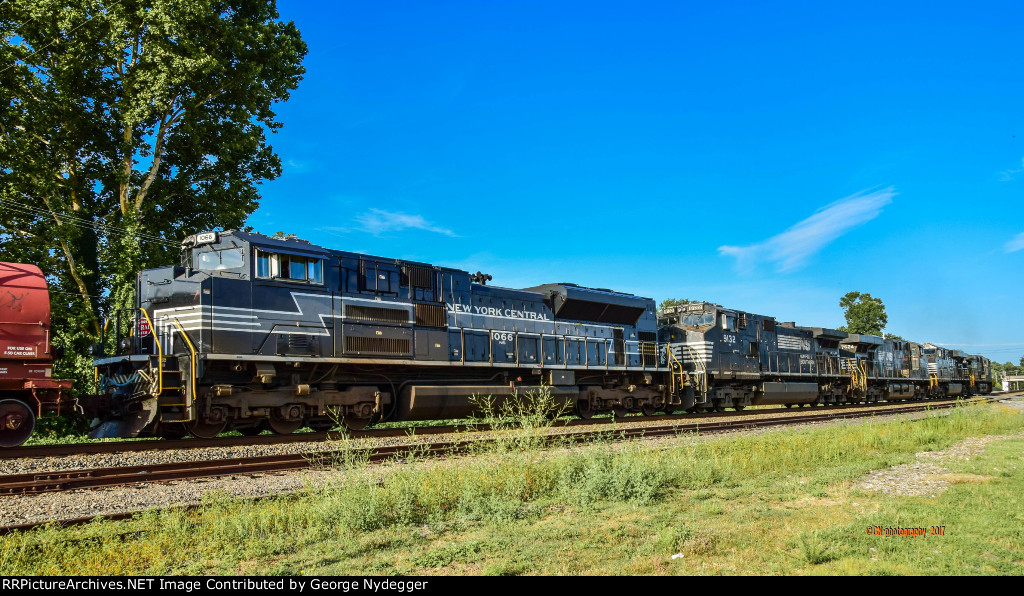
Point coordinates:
[[673, 302], [124, 126], [864, 314]]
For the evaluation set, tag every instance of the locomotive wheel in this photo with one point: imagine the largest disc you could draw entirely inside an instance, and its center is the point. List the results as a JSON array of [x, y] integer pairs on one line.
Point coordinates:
[[648, 410], [16, 423], [789, 405], [738, 406], [719, 406], [205, 429], [283, 426], [585, 409], [619, 412], [353, 422]]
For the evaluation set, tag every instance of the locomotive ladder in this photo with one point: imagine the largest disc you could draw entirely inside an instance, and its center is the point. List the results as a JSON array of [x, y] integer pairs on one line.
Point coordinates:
[[858, 375], [700, 383], [174, 388], [178, 406]]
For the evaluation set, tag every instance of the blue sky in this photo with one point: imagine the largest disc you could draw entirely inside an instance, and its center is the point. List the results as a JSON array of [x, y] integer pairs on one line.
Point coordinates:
[[765, 156]]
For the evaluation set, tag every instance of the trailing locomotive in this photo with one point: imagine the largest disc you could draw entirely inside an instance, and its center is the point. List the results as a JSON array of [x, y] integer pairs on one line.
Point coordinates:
[[252, 332], [736, 359], [27, 386]]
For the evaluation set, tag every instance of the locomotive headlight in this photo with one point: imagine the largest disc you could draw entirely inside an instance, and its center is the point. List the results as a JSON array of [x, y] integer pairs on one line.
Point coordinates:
[[126, 343]]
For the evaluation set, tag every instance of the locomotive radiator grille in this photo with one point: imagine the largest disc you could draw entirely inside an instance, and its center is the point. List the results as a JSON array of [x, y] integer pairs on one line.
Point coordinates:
[[357, 312], [431, 315], [420, 277], [377, 345]]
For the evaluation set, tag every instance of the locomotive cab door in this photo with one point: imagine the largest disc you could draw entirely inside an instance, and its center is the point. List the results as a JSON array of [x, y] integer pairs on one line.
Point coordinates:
[[768, 346]]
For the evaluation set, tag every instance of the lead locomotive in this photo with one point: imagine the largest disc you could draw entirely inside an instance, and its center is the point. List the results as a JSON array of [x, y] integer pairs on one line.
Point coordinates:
[[252, 332]]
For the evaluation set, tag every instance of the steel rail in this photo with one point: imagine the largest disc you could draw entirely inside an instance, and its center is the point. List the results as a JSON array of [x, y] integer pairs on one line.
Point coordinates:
[[132, 446], [40, 482]]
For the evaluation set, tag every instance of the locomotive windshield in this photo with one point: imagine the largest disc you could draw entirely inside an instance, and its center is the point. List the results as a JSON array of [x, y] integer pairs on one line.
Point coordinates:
[[217, 260], [697, 320]]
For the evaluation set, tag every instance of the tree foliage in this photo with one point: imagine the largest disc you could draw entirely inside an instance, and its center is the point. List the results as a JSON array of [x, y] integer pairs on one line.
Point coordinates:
[[864, 314], [127, 125], [673, 302]]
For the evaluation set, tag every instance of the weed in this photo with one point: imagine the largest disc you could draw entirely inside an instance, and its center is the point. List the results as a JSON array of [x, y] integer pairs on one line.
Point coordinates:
[[813, 549]]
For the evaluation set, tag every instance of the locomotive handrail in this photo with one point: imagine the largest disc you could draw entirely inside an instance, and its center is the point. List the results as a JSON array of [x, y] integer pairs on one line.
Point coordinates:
[[672, 376], [159, 354], [702, 374], [191, 361]]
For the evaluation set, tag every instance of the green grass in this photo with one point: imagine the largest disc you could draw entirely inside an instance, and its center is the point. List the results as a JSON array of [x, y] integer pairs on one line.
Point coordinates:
[[776, 502]]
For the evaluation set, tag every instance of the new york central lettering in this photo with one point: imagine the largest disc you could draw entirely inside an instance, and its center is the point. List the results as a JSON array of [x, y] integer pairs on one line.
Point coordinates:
[[490, 311]]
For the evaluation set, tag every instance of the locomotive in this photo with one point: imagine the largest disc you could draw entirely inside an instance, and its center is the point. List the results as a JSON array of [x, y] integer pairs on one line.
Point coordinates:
[[736, 359], [252, 332], [27, 386]]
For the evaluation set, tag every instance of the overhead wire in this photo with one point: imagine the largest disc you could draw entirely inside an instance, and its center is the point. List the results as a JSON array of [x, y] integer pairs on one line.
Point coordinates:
[[84, 223], [106, 10]]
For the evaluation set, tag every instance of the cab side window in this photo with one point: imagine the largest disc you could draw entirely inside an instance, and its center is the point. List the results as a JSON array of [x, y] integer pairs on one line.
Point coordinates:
[[290, 267]]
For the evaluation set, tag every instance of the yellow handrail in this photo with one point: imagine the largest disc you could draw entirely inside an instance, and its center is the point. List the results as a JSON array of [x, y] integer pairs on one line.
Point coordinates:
[[702, 374], [159, 354], [672, 375], [192, 360]]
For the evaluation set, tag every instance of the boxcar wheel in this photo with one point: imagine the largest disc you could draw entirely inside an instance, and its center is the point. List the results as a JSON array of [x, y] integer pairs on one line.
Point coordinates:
[[16, 422]]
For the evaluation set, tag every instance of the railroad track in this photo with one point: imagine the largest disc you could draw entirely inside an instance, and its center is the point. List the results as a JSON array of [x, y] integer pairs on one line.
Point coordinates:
[[25, 484], [192, 443], [40, 482]]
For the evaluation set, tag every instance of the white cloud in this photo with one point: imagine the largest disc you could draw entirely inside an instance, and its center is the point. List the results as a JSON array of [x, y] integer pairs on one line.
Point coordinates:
[[1016, 244], [1007, 175], [378, 222], [299, 166], [791, 249]]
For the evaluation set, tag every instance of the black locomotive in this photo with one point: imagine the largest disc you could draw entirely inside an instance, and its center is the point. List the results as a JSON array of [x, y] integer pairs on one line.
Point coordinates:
[[251, 332]]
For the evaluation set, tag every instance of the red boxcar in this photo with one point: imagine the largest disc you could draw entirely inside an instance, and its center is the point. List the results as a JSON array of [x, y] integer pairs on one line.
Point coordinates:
[[27, 386]]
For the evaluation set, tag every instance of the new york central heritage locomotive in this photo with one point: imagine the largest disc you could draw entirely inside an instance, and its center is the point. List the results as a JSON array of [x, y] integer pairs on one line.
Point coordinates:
[[252, 332]]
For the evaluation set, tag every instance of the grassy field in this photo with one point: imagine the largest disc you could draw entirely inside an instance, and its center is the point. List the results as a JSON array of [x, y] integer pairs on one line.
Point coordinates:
[[771, 503]]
